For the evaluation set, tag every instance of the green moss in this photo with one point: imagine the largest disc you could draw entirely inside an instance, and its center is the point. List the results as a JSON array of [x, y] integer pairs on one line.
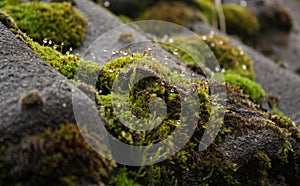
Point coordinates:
[[58, 22], [59, 156], [4, 3], [31, 99], [175, 12], [241, 22], [207, 8], [249, 87], [121, 179], [230, 58]]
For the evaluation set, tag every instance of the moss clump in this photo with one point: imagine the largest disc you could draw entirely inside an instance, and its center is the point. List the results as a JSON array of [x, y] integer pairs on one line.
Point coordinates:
[[175, 12], [58, 157], [58, 22], [277, 16], [126, 37], [31, 100], [4, 3], [249, 87], [241, 22], [230, 58]]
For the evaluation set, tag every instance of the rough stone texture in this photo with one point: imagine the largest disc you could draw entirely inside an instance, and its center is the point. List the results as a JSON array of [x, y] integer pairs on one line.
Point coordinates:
[[21, 71]]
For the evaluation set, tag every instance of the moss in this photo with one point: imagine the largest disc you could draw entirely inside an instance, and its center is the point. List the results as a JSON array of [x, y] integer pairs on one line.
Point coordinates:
[[277, 16], [58, 22], [175, 12], [241, 22], [230, 58], [59, 156], [126, 37], [31, 100], [207, 8], [249, 87], [4, 3], [121, 179]]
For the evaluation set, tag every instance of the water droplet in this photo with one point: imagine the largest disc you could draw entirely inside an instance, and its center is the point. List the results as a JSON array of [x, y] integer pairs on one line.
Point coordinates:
[[172, 89], [71, 49], [217, 69], [104, 50], [162, 83], [182, 74], [243, 3], [106, 4], [62, 44], [119, 105], [149, 48], [64, 105], [241, 52], [244, 67], [178, 122], [67, 53], [204, 38], [50, 42], [110, 70], [171, 40], [221, 42], [125, 52], [175, 52], [193, 75], [113, 52], [223, 70], [55, 47], [45, 41], [212, 45], [165, 57], [100, 91]]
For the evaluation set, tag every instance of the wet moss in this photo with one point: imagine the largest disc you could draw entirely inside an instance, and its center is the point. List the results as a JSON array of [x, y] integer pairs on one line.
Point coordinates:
[[241, 22], [58, 22], [4, 3], [59, 156], [230, 58]]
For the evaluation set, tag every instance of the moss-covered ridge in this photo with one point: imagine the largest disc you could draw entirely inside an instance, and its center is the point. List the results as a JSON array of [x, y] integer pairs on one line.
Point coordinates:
[[59, 23]]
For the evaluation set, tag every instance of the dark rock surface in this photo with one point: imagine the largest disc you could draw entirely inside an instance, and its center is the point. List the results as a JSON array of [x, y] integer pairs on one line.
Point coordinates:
[[22, 71]]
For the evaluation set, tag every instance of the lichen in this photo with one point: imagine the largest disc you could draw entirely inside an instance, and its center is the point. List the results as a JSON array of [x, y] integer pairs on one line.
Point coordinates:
[[58, 22]]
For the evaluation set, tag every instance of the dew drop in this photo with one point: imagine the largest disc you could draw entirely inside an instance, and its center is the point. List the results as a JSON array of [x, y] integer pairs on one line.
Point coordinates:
[[241, 52], [244, 67], [217, 69], [175, 52], [50, 42], [100, 91], [113, 52], [125, 52], [104, 50], [172, 89], [55, 47], [223, 70], [178, 122], [64, 105], [45, 41], [67, 53], [106, 4], [149, 48], [204, 38], [165, 57], [221, 42], [110, 70], [171, 40], [71, 49], [119, 105], [243, 3], [212, 45]]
